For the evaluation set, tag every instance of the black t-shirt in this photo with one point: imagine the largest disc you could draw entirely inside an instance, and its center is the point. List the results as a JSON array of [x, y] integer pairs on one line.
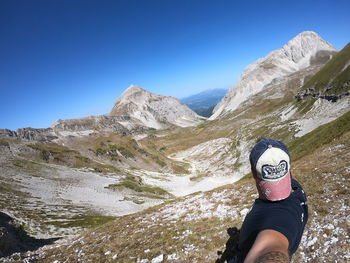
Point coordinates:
[[288, 216]]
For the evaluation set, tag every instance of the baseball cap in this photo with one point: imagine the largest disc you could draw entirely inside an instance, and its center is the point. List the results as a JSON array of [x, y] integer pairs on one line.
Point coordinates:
[[270, 160]]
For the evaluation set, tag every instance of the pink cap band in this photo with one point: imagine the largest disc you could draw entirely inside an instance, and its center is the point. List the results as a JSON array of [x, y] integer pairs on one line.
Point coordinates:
[[275, 190]]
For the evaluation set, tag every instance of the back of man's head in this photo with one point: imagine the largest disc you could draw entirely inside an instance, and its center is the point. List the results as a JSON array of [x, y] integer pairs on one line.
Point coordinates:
[[270, 164]]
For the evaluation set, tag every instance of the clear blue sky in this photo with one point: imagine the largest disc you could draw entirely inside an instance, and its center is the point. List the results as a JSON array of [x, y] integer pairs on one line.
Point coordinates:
[[63, 59]]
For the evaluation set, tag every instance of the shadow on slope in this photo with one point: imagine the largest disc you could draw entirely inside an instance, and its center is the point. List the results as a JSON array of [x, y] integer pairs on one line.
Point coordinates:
[[231, 245], [14, 239], [194, 228]]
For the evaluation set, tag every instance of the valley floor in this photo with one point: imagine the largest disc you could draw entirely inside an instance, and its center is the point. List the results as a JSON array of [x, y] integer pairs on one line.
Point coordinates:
[[52, 200], [194, 228]]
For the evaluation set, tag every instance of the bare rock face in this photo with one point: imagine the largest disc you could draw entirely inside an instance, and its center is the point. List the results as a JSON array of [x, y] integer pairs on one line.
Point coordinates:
[[136, 111], [297, 54], [6, 133], [29, 134], [32, 134], [154, 111], [90, 125]]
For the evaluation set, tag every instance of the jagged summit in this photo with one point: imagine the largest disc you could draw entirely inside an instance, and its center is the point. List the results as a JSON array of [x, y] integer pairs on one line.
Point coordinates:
[[130, 91], [295, 55], [152, 110], [302, 47], [134, 94]]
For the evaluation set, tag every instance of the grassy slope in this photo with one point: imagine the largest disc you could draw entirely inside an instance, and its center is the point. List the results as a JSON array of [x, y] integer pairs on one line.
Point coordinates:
[[320, 136], [198, 239], [62, 155], [124, 151], [333, 73], [194, 228]]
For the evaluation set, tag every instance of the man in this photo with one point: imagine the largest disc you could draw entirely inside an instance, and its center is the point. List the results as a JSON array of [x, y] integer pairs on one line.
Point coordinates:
[[272, 230]]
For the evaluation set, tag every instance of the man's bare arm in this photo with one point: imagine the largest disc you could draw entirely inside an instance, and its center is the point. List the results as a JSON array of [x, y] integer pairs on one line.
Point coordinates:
[[273, 257], [270, 246]]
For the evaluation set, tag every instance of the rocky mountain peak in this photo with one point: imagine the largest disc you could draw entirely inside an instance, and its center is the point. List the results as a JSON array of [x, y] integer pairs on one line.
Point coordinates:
[[152, 110], [133, 94], [303, 46], [295, 55], [133, 90]]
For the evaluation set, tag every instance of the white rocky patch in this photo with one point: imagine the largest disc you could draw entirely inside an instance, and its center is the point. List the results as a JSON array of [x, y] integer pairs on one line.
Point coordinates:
[[345, 66], [216, 205], [288, 112], [215, 158], [181, 185], [244, 212], [68, 186], [322, 112], [74, 133], [173, 256], [158, 259]]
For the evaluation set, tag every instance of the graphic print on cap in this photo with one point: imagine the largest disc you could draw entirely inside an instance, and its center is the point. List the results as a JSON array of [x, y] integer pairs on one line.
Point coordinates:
[[271, 172], [273, 164]]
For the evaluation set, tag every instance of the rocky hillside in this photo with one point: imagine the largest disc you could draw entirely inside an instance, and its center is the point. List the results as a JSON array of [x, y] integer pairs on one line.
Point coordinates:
[[135, 112], [195, 228], [299, 53], [75, 182], [331, 82], [154, 111], [91, 125]]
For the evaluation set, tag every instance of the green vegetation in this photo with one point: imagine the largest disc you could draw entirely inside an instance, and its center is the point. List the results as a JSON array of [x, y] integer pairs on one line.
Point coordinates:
[[305, 105], [124, 149], [180, 168], [332, 79], [52, 151], [163, 148], [157, 159], [136, 184], [82, 221], [320, 136], [52, 148], [246, 178], [29, 166], [84, 162], [82, 159], [332, 74], [113, 150], [9, 188], [265, 131], [58, 154], [198, 177], [143, 151], [4, 142]]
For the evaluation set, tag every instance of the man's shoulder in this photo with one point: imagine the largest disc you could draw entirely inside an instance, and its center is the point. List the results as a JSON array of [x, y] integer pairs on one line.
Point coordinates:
[[295, 183], [298, 192]]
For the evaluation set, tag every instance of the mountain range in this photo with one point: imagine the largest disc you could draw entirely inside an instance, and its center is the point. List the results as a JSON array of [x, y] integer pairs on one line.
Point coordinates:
[[204, 102], [299, 53], [152, 181]]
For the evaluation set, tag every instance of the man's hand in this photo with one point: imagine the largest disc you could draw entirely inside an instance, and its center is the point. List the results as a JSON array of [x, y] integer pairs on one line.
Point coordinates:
[[231, 246]]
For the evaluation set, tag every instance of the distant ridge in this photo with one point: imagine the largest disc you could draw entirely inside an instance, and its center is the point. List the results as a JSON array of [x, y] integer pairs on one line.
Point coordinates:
[[297, 54], [204, 102], [152, 110]]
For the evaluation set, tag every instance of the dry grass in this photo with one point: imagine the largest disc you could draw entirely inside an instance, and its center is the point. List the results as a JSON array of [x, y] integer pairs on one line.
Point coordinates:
[[193, 229], [326, 179]]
